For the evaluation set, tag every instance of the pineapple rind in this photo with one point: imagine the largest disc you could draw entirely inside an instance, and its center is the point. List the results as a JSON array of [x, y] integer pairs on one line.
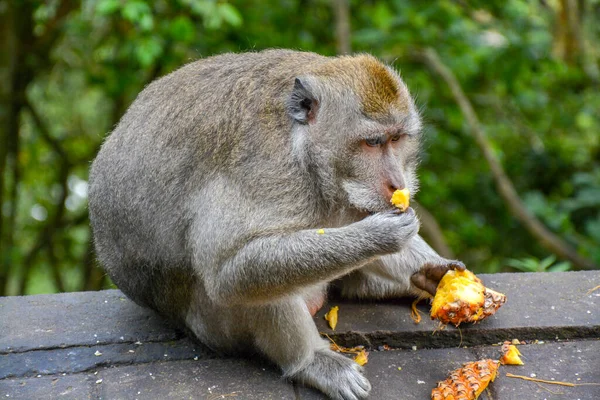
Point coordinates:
[[468, 382], [462, 297]]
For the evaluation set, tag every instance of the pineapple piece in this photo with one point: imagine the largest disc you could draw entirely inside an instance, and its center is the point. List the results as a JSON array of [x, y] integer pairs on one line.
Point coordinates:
[[400, 199], [462, 297], [332, 317], [511, 355], [468, 382], [361, 358]]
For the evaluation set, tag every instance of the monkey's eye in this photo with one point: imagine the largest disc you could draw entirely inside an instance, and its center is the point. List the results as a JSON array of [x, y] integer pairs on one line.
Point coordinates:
[[396, 137], [372, 142]]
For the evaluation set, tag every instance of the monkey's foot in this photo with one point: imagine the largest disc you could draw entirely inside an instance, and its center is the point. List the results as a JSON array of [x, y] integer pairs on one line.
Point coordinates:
[[335, 375]]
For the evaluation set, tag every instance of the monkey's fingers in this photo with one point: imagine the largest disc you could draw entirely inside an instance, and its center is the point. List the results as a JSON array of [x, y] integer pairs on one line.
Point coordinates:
[[436, 272], [409, 211], [430, 275], [457, 265], [420, 281]]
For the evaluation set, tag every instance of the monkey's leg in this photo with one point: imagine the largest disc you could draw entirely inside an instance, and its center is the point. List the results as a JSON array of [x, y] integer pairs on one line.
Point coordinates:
[[286, 334], [413, 271]]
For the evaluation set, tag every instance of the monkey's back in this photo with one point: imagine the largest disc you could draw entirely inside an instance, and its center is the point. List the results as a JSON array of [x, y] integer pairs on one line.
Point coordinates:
[[223, 116]]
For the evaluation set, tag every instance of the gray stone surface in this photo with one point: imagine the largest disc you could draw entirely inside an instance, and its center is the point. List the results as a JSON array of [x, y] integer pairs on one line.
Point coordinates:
[[539, 306], [396, 374], [203, 379], [70, 319], [421, 370], [67, 387], [56, 337], [85, 358]]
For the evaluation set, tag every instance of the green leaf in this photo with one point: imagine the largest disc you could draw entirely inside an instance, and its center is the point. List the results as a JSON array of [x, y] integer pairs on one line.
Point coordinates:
[[546, 262], [148, 50], [382, 16], [560, 267], [202, 7], [593, 228], [182, 29], [134, 11], [522, 265], [107, 7], [584, 121], [230, 14], [146, 22]]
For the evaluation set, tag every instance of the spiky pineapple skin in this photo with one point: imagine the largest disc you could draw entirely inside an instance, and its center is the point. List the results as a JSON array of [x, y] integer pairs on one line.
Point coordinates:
[[468, 382]]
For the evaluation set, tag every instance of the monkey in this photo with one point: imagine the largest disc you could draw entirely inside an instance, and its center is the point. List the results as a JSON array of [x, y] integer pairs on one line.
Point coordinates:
[[237, 188]]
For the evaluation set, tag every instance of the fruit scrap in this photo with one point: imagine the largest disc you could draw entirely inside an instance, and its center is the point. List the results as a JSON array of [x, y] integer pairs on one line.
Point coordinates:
[[468, 382], [341, 349], [361, 355], [414, 312], [400, 199], [510, 355], [462, 297], [361, 358], [592, 290], [332, 317]]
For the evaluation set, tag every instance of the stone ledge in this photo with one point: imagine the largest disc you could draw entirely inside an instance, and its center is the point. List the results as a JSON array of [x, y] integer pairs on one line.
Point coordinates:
[[57, 337], [398, 374], [77, 319], [539, 306]]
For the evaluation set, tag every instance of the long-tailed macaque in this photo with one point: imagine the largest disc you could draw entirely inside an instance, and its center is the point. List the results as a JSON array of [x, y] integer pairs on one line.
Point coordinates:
[[207, 201]]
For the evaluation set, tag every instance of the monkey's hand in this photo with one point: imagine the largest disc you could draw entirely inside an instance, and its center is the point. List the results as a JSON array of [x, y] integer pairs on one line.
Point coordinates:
[[391, 230], [428, 277]]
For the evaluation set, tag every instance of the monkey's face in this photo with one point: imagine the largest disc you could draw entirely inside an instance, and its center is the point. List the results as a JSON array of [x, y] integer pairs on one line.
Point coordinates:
[[379, 159], [357, 129]]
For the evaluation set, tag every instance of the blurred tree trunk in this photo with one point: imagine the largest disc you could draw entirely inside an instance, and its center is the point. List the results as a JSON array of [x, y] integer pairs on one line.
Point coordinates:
[[16, 20], [6, 123], [431, 231], [26, 55], [567, 33], [569, 38], [341, 9]]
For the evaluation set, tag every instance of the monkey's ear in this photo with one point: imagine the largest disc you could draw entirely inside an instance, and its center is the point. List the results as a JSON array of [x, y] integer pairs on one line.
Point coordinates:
[[302, 104]]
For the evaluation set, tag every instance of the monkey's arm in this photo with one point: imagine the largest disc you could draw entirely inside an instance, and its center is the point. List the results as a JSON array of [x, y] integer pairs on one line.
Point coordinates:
[[280, 264], [415, 270], [422, 265]]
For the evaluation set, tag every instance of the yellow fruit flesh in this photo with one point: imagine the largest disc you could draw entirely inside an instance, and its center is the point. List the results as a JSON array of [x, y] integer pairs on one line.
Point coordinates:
[[511, 356], [462, 297], [401, 199], [361, 358], [332, 317]]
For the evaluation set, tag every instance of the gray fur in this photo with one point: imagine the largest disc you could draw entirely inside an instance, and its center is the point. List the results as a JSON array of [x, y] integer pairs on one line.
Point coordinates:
[[206, 199]]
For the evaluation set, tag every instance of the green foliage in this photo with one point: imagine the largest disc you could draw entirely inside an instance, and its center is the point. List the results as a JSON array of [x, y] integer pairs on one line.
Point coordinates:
[[532, 264], [539, 112]]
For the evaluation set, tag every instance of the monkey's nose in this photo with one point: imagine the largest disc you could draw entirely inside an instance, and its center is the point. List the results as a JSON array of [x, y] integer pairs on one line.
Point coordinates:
[[391, 188]]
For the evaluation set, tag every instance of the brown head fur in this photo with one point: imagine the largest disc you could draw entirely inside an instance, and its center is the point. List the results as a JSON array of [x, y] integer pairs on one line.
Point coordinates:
[[377, 88]]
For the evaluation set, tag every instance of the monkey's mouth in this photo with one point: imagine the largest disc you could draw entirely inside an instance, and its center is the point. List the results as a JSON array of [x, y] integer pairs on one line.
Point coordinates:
[[363, 213], [364, 200]]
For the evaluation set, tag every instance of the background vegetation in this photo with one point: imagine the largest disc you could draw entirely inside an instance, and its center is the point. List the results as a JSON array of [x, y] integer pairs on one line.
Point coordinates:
[[509, 90]]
